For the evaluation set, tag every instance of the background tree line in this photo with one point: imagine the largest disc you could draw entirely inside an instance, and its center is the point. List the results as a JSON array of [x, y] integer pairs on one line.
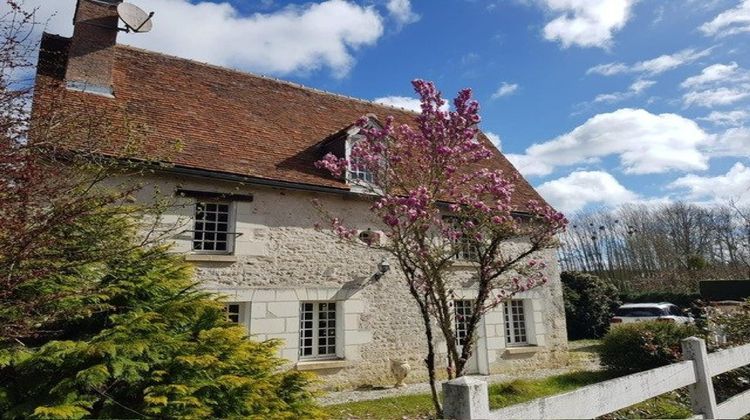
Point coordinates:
[[644, 248]]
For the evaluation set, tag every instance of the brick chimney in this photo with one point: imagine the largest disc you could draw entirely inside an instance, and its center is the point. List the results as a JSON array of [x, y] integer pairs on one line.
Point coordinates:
[[92, 53]]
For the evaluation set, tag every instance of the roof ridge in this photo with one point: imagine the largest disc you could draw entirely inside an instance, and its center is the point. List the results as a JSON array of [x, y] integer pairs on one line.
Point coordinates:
[[266, 77]]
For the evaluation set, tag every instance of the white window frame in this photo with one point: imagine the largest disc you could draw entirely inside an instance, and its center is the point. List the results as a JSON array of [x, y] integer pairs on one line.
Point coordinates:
[[230, 234], [462, 310], [468, 250], [354, 175], [331, 330], [242, 313], [516, 322]]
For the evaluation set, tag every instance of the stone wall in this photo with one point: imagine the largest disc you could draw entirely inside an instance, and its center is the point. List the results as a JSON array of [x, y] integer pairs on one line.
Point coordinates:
[[280, 260]]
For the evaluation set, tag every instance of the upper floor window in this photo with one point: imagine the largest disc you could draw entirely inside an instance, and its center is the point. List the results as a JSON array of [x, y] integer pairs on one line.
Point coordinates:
[[515, 323], [467, 249], [211, 233], [358, 172]]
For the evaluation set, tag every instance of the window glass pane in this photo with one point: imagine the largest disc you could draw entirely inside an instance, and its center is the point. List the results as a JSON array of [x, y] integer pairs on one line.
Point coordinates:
[[358, 171], [317, 325], [462, 311], [515, 323], [233, 311], [639, 312], [466, 246], [208, 235]]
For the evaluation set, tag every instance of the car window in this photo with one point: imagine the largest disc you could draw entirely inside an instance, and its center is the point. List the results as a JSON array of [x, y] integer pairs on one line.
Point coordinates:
[[639, 312], [673, 310]]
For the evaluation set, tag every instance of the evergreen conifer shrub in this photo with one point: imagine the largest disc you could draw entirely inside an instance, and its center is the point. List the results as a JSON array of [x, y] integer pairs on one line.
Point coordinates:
[[153, 345]]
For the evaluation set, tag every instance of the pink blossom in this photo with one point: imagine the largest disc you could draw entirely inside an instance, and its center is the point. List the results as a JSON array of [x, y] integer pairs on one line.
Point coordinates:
[[337, 166]]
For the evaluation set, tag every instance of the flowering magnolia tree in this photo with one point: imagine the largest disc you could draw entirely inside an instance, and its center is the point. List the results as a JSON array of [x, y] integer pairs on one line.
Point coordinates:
[[438, 200]]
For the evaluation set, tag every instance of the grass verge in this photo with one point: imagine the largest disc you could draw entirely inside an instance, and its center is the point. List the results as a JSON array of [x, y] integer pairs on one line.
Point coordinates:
[[501, 395], [672, 405]]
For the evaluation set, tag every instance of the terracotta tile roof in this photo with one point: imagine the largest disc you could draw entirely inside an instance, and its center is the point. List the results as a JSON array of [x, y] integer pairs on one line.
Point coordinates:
[[224, 120]]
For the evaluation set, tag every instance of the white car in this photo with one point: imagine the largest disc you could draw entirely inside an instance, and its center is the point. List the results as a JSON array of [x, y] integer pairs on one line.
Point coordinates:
[[636, 312]]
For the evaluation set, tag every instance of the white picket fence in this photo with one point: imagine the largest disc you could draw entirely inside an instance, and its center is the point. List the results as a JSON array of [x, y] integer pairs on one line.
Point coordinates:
[[466, 397]]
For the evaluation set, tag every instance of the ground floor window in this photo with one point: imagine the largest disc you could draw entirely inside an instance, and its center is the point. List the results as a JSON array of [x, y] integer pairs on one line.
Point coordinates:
[[463, 311], [235, 312], [317, 330], [515, 323]]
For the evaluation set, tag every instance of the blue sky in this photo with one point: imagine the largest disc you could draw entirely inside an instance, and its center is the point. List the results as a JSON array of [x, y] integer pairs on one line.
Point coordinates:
[[597, 102]]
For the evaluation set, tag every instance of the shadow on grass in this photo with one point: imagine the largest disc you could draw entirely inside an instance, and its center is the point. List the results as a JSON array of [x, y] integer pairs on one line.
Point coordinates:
[[584, 346]]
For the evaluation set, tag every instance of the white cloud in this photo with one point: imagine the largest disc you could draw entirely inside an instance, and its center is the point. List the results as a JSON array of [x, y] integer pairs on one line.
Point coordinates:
[[733, 142], [404, 102], [715, 97], [644, 142], [586, 23], [581, 188], [729, 118], [653, 66], [670, 61], [495, 139], [718, 84], [311, 37], [734, 185], [411, 104], [729, 22], [401, 11], [635, 89], [609, 69], [715, 73], [641, 85], [505, 89]]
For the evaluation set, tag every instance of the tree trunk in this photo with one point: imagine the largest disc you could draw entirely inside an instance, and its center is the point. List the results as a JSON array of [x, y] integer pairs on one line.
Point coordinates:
[[430, 362], [430, 359]]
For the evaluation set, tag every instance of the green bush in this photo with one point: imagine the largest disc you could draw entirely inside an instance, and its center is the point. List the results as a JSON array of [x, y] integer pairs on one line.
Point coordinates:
[[589, 303], [152, 346], [636, 347], [736, 325]]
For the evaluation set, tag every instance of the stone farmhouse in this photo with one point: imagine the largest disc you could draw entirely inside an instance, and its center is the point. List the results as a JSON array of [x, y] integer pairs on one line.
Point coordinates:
[[243, 179]]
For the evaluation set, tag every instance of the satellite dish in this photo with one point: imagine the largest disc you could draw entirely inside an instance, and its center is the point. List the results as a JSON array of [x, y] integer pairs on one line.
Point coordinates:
[[135, 18]]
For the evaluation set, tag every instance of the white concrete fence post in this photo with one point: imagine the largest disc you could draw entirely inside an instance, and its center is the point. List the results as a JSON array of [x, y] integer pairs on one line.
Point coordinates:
[[702, 397], [466, 398]]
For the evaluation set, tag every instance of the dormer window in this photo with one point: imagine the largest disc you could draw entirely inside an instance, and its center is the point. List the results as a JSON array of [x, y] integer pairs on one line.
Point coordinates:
[[339, 146], [358, 172]]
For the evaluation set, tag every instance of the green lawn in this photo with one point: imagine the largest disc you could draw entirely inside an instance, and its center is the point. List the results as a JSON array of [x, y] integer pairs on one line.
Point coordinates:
[[501, 395], [582, 352], [673, 405]]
